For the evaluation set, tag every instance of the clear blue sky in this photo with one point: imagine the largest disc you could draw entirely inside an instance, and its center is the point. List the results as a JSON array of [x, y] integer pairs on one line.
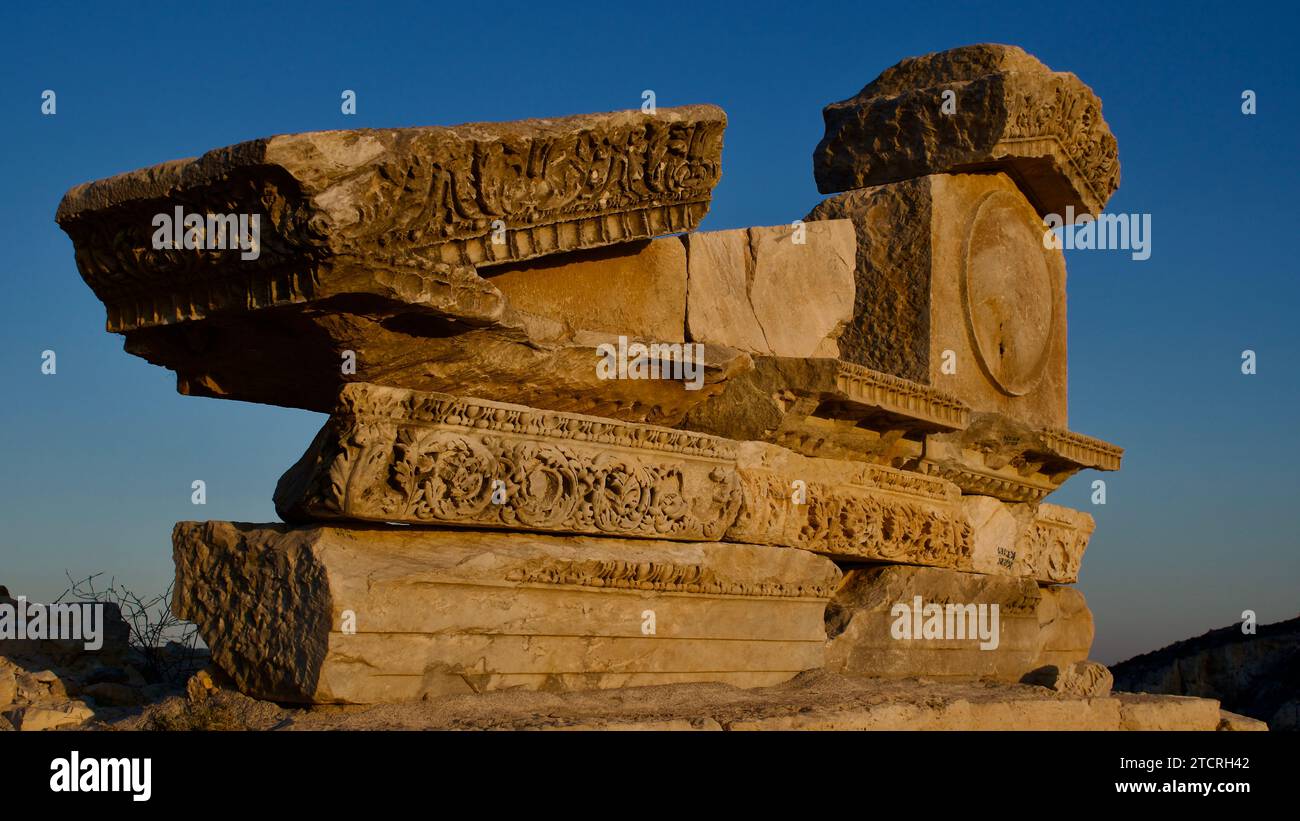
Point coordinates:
[[1202, 522]]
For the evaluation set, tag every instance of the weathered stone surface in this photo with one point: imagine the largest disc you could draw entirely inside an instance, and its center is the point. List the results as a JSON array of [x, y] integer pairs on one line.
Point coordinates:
[[995, 456], [956, 263], [295, 359], [374, 254], [1037, 626], [1139, 711], [827, 408], [1007, 112], [1087, 679], [392, 455], [375, 211], [634, 289], [812, 700], [325, 614], [1231, 722], [742, 283], [36, 717], [1044, 542], [849, 510]]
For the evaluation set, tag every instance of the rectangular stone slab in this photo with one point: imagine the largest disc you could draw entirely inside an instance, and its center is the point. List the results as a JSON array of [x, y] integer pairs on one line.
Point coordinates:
[[389, 455], [956, 290], [392, 455], [376, 614], [382, 211], [1038, 625], [828, 408], [1044, 542], [781, 290], [394, 256]]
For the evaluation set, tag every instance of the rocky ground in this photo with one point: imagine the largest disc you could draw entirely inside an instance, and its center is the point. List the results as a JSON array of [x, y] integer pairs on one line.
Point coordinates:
[[811, 701], [1255, 674]]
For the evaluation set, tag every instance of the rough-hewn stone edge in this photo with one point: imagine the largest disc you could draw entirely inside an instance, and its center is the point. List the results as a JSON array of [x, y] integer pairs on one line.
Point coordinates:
[[1026, 120], [286, 609]]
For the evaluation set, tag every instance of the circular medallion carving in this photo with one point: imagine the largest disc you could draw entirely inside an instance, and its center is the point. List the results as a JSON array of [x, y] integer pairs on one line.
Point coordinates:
[[1010, 292]]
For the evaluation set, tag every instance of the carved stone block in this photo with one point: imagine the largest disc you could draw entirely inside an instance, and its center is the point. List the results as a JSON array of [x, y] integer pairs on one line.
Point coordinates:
[[373, 255], [378, 614], [390, 455], [828, 408], [1044, 542], [375, 211], [994, 456], [871, 624], [849, 510], [742, 281], [975, 108], [956, 290]]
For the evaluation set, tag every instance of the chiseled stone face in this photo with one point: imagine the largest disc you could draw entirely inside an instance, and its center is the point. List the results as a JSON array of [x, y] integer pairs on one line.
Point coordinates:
[[374, 211], [376, 254], [377, 614], [390, 455], [782, 290], [957, 290], [869, 634], [634, 289], [1044, 542], [975, 108]]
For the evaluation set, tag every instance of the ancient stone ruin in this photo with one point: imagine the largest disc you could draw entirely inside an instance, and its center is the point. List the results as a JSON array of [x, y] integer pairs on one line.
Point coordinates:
[[575, 443]]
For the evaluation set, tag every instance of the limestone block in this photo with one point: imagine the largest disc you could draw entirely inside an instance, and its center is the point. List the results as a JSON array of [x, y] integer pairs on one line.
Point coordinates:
[[37, 717], [389, 455], [374, 252], [849, 510], [974, 108], [955, 289], [1044, 542], [742, 283], [1234, 722], [1036, 625], [375, 614], [634, 289], [1139, 711], [373, 211]]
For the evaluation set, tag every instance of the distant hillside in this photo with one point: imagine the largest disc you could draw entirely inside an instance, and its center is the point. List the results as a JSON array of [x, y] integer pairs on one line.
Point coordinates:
[[1255, 675]]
